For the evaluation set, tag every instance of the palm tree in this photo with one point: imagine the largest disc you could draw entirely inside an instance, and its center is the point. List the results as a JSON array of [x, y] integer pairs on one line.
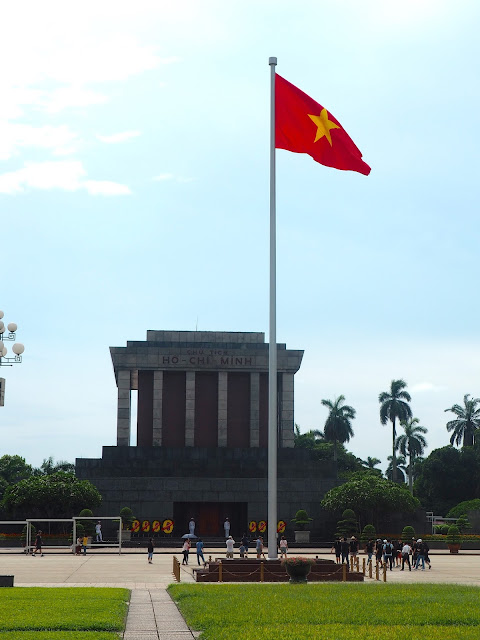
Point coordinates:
[[338, 427], [467, 422], [411, 443], [401, 465], [307, 440], [394, 405], [370, 463]]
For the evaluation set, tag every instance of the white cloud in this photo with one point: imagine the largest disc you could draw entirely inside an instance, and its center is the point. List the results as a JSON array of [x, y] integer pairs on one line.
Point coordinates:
[[119, 137], [66, 175], [106, 188], [73, 96], [426, 386], [13, 136], [163, 177]]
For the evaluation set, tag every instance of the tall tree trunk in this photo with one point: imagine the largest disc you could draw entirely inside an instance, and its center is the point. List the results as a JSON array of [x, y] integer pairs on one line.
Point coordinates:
[[394, 459], [410, 474], [468, 438]]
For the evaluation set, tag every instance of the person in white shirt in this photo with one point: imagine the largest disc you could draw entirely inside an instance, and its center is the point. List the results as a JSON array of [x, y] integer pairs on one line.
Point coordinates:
[[98, 532], [230, 542], [226, 527], [406, 551]]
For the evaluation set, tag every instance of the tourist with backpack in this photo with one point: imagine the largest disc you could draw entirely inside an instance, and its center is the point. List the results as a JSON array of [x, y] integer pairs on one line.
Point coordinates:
[[388, 554]]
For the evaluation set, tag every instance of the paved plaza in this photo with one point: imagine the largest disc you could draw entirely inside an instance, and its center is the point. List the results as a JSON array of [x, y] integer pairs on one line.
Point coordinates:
[[152, 614]]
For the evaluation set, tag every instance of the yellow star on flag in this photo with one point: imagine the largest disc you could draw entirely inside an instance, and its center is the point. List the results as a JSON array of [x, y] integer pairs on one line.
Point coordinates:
[[323, 126]]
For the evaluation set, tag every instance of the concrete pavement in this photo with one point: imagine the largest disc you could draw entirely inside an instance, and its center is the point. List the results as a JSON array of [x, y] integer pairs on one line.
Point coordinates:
[[152, 614]]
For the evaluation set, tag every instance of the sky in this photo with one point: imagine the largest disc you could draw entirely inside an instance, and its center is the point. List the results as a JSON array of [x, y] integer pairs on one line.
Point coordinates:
[[134, 184]]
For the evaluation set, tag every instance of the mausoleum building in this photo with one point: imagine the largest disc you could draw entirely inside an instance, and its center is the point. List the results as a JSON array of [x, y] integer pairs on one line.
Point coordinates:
[[202, 433]]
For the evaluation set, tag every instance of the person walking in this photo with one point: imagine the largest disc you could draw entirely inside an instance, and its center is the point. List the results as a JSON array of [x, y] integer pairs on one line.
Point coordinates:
[[337, 547], [199, 547], [369, 549], [98, 532], [230, 542], [185, 551], [283, 546], [406, 551], [420, 554], [245, 543], [345, 548], [353, 547], [427, 557], [150, 550], [38, 544], [388, 554], [78, 546], [379, 552], [259, 547], [84, 544]]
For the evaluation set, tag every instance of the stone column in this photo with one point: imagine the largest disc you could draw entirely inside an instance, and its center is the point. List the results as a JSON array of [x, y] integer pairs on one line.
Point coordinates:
[[222, 408], [123, 408], [286, 412], [157, 407], [190, 409], [254, 409]]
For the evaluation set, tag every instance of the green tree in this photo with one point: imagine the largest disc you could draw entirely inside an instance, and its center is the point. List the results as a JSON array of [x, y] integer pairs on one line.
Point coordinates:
[[370, 496], [14, 468], [401, 469], [463, 524], [368, 533], [447, 476], [307, 440], [58, 495], [463, 508], [394, 406], [466, 422], [371, 463], [338, 426], [411, 444], [49, 466], [348, 525]]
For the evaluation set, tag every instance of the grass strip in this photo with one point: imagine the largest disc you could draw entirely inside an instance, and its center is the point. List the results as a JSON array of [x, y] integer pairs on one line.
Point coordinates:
[[73, 609], [58, 635], [345, 611]]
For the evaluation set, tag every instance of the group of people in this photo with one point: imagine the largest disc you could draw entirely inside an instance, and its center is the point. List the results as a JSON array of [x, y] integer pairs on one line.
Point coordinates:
[[388, 553], [230, 544]]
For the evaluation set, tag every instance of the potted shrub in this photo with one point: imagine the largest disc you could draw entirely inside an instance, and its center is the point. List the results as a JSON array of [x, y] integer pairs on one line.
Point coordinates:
[[88, 525], [454, 538], [368, 533], [348, 525], [301, 520], [298, 568], [127, 517], [408, 533]]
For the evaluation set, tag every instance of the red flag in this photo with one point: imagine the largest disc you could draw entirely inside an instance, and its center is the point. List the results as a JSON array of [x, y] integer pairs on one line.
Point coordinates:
[[304, 126]]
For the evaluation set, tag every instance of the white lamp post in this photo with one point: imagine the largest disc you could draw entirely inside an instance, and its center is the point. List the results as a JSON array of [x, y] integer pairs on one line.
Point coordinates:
[[17, 348]]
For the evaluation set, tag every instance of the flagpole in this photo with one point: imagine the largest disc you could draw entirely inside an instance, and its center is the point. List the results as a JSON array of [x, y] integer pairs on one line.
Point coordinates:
[[272, 336]]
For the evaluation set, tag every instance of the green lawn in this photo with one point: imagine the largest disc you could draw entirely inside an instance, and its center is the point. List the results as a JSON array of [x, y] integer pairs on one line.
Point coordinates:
[[30, 613], [330, 611]]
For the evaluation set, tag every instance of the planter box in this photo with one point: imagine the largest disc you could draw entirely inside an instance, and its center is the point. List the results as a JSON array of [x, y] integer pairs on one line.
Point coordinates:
[[126, 535], [6, 581], [302, 536]]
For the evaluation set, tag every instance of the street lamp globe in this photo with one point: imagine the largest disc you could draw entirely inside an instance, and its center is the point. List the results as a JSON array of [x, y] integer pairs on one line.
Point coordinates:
[[18, 348]]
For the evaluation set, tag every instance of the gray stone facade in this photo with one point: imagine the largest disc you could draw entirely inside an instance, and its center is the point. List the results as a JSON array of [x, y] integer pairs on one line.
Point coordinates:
[[202, 433]]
